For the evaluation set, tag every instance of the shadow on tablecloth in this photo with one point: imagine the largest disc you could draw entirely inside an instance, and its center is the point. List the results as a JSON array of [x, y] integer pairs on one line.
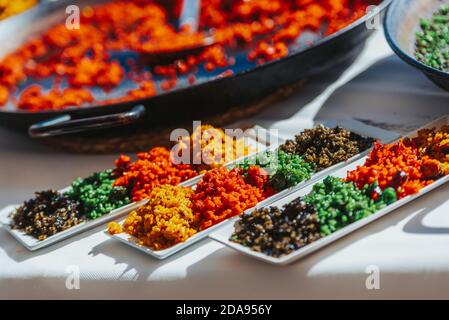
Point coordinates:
[[311, 277], [390, 94], [19, 253]]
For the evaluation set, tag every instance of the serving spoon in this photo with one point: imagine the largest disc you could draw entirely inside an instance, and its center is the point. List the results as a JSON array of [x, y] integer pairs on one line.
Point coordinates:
[[188, 19]]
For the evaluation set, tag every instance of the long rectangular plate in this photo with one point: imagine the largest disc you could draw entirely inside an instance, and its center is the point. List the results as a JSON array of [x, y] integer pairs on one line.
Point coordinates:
[[33, 244], [223, 234], [352, 125]]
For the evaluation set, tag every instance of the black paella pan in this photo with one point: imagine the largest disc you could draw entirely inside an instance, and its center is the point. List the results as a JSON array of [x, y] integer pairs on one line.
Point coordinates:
[[210, 95]]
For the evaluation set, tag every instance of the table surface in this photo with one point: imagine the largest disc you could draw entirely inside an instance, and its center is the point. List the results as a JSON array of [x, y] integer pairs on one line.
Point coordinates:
[[409, 247]]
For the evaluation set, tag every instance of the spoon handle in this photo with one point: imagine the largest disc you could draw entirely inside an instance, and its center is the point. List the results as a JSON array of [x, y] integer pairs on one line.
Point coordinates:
[[190, 14]]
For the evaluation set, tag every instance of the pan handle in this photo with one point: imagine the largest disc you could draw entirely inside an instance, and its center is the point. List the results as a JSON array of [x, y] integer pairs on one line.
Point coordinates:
[[64, 124]]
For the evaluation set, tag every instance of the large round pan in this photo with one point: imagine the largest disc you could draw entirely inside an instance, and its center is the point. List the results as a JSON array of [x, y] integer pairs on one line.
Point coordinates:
[[211, 95]]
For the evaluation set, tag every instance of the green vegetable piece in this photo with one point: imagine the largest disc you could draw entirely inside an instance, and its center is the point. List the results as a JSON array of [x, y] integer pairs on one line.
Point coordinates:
[[96, 194], [285, 169], [389, 196], [340, 203]]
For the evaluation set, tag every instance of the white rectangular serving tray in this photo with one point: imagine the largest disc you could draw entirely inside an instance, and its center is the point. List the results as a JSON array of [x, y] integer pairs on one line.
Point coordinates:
[[33, 244], [352, 125], [223, 234]]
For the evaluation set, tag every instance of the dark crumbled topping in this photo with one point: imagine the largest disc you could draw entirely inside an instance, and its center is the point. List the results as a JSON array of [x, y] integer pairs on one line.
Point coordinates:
[[275, 231], [325, 146], [48, 213]]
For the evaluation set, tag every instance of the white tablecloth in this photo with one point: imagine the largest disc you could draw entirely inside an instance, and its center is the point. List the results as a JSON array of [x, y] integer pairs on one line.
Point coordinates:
[[410, 246]]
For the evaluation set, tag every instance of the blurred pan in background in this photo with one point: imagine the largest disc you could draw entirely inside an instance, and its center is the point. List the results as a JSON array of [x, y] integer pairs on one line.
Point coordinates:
[[211, 93]]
